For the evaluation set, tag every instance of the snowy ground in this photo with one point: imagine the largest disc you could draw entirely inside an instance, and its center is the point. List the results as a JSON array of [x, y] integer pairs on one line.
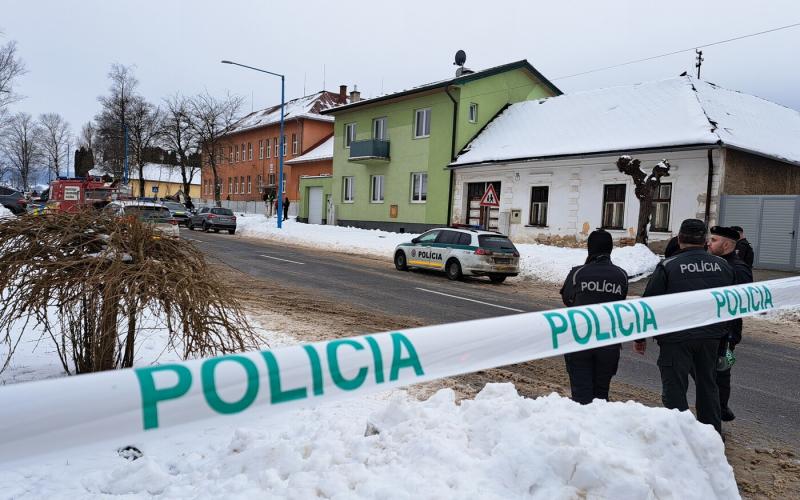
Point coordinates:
[[4, 212], [499, 445], [544, 262]]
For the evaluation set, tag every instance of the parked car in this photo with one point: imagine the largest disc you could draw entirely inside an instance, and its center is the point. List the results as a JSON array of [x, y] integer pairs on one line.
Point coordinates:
[[13, 200], [215, 218], [178, 211], [460, 252], [146, 211]]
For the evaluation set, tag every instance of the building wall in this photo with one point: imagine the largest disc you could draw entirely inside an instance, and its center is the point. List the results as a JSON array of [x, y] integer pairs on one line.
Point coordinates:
[[575, 195], [164, 189], [409, 155], [747, 173], [305, 184], [309, 134]]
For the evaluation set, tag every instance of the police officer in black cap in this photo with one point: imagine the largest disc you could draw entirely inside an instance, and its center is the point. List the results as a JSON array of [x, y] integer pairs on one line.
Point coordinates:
[[692, 351], [723, 243], [598, 280]]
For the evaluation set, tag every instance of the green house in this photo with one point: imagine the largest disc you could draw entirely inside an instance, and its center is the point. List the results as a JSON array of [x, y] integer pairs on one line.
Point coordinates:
[[390, 152]]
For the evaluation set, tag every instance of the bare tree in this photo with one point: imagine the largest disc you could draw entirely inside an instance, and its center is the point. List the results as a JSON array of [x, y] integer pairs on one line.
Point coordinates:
[[211, 119], [112, 120], [88, 134], [11, 67], [144, 128], [54, 141], [20, 144], [645, 189], [179, 134]]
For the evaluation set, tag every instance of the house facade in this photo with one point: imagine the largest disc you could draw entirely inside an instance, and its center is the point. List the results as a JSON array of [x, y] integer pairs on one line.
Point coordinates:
[[249, 168], [553, 163], [390, 153]]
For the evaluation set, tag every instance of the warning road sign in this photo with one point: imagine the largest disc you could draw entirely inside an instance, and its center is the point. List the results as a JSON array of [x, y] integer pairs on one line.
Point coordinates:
[[490, 198]]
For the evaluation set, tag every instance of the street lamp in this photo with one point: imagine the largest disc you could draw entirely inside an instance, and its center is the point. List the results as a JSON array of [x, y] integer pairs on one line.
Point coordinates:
[[282, 141]]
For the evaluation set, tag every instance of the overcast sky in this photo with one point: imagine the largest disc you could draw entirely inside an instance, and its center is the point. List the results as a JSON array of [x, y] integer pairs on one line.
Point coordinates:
[[68, 46]]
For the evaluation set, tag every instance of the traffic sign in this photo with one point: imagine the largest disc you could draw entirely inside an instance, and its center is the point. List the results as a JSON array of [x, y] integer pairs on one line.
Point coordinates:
[[490, 198], [155, 189]]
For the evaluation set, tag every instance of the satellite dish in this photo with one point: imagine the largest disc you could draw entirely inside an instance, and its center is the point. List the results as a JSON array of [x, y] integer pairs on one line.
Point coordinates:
[[461, 58]]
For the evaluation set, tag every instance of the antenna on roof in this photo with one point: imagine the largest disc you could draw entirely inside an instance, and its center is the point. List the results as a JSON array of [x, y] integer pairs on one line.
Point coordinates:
[[461, 58]]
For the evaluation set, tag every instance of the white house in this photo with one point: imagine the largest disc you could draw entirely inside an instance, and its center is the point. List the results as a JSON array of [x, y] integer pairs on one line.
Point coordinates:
[[552, 161]]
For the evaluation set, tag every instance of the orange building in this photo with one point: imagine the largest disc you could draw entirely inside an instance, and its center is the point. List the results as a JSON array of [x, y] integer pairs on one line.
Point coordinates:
[[249, 169]]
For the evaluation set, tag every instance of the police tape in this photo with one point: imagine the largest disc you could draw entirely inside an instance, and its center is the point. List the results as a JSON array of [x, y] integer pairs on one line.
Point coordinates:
[[39, 417]]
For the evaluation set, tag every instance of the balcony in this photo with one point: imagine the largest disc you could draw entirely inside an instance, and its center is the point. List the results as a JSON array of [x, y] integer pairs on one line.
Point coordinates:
[[369, 152]]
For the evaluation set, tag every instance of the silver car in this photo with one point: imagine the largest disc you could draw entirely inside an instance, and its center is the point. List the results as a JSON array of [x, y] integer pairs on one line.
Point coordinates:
[[459, 252], [213, 218], [149, 212]]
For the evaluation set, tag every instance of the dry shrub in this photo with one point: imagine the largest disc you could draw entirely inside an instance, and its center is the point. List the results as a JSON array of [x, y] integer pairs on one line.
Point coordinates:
[[91, 281]]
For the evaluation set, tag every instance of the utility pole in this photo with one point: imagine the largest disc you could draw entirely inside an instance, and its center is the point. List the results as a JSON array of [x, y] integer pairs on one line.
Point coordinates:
[[699, 61]]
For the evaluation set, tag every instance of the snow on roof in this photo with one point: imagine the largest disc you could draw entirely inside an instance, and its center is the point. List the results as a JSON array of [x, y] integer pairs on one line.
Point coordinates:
[[322, 152], [156, 172], [303, 107], [680, 111]]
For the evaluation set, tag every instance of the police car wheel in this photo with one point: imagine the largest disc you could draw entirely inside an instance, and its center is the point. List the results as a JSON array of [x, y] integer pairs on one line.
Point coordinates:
[[497, 278], [400, 261], [453, 270]]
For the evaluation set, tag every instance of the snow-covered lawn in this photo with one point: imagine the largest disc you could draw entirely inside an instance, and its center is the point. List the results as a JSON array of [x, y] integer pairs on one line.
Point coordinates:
[[544, 262], [499, 445], [4, 212]]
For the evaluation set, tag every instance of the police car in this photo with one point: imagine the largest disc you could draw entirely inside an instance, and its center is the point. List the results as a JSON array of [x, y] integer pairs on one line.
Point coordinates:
[[459, 252]]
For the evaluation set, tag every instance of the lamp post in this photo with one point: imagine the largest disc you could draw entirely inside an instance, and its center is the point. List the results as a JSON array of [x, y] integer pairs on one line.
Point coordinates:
[[281, 139]]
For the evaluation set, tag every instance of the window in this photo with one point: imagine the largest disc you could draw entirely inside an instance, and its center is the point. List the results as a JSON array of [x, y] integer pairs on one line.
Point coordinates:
[[241, 184], [266, 142], [249, 150], [271, 179], [349, 134], [230, 186], [283, 145], [275, 142], [283, 183], [379, 129], [661, 206], [419, 187], [230, 154], [449, 237], [347, 189], [294, 144], [377, 189], [249, 185], [261, 149], [538, 206], [237, 152], [422, 123], [429, 237], [613, 206], [473, 112], [260, 183], [243, 153]]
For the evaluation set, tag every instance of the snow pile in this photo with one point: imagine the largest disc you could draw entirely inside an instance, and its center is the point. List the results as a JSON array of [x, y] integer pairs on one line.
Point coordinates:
[[543, 262], [4, 212], [499, 445]]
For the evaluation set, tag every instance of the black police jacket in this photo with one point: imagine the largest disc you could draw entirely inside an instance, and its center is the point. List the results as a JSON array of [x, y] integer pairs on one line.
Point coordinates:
[[688, 270], [594, 282], [745, 251], [742, 274]]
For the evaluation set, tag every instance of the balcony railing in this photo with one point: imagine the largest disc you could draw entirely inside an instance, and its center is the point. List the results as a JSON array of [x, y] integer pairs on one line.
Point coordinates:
[[369, 151]]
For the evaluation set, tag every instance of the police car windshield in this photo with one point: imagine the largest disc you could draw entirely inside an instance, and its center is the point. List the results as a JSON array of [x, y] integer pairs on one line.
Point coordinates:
[[497, 243]]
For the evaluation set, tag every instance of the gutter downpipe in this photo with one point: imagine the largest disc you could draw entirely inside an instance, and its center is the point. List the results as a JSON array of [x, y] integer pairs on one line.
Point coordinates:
[[710, 176], [452, 154]]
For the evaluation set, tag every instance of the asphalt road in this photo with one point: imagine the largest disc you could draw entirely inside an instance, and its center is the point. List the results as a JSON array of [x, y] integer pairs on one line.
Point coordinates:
[[765, 394]]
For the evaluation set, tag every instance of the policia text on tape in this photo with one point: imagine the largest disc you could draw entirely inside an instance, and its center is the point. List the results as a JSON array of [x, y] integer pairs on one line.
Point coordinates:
[[38, 417]]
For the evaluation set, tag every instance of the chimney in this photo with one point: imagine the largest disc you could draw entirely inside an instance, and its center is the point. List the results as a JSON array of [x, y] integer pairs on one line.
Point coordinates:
[[342, 94], [355, 95]]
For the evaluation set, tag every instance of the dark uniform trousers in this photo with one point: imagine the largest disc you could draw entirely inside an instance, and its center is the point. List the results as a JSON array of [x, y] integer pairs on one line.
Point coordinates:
[[697, 357], [590, 372]]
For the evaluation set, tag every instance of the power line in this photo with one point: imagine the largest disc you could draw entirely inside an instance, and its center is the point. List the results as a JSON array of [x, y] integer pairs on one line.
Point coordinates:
[[678, 51]]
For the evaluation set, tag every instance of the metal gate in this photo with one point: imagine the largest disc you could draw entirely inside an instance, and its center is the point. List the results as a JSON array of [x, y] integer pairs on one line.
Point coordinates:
[[770, 223]]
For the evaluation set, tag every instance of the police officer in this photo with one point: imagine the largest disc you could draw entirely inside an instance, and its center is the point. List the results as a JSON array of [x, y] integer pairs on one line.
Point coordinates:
[[692, 351], [723, 243], [598, 280], [744, 250]]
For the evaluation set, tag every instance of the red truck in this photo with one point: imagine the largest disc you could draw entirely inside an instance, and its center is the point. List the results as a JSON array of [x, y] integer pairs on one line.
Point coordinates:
[[71, 194]]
